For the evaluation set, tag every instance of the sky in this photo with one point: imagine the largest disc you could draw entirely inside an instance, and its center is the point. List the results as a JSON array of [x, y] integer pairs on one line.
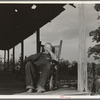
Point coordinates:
[[64, 27]]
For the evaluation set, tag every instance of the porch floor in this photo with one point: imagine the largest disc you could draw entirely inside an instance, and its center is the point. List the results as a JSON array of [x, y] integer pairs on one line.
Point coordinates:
[[61, 91], [10, 86], [22, 91]]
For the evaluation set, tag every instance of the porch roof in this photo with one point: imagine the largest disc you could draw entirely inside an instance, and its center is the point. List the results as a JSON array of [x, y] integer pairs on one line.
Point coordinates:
[[19, 21]]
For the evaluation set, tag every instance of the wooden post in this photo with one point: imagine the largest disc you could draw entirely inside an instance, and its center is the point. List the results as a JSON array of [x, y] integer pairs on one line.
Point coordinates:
[[40, 47], [4, 58], [60, 50], [22, 53], [13, 58], [38, 40], [82, 64], [8, 58]]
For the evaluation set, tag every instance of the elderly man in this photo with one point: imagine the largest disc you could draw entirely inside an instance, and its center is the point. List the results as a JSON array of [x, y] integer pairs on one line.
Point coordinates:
[[37, 68]]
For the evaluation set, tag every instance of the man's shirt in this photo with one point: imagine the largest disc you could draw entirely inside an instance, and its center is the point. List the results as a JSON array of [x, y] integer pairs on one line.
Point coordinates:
[[43, 59], [39, 59]]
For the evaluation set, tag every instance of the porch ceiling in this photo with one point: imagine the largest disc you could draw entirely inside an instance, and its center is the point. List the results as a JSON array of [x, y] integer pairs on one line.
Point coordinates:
[[19, 21]]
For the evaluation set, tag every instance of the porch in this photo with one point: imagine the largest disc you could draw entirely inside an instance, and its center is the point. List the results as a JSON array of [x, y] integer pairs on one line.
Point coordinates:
[[9, 84]]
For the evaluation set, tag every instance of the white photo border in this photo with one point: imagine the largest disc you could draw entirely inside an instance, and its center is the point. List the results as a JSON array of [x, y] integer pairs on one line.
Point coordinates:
[[48, 96]]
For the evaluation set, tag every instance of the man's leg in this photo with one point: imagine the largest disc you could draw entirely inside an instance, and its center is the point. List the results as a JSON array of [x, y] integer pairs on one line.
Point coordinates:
[[30, 75], [43, 77]]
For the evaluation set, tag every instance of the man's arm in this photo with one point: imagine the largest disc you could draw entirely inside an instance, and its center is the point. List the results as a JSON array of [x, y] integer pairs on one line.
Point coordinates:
[[54, 57], [33, 57]]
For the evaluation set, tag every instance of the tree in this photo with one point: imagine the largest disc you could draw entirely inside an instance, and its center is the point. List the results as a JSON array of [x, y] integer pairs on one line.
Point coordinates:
[[19, 60], [95, 50], [97, 7], [11, 63], [1, 63]]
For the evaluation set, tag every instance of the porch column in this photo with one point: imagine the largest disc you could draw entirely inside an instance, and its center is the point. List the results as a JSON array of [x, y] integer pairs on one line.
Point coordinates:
[[38, 40], [4, 58], [8, 58], [13, 58], [82, 64], [22, 53]]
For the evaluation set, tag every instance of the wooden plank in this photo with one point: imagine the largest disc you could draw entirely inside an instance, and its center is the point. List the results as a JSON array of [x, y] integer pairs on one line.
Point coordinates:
[[82, 64]]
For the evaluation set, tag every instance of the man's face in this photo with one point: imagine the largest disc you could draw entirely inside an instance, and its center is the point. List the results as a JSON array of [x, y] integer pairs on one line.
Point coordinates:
[[47, 47]]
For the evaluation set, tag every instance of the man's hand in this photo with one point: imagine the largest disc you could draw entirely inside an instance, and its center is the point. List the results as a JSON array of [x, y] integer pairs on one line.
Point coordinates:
[[49, 49]]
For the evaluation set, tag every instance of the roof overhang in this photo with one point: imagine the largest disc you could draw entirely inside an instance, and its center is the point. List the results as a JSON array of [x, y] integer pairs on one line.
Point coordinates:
[[19, 21]]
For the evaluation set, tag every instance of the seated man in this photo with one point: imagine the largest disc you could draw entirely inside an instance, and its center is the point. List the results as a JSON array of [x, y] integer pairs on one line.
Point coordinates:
[[37, 68]]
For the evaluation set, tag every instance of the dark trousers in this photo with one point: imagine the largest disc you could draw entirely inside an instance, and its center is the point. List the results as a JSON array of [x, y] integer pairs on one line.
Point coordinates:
[[36, 76]]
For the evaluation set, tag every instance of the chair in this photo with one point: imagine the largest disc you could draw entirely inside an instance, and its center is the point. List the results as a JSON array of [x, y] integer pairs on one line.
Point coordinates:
[[53, 78]]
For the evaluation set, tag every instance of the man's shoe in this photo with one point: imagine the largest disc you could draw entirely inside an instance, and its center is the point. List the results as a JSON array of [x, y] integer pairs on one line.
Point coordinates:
[[29, 90], [40, 90]]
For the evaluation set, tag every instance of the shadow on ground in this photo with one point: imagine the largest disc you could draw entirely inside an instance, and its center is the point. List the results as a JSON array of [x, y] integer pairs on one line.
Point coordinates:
[[11, 91]]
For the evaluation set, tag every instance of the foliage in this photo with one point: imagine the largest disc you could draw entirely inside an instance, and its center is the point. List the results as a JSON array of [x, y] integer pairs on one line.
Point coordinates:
[[92, 77], [93, 69], [97, 7], [11, 63], [95, 34], [1, 63], [19, 60], [94, 50], [67, 70]]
